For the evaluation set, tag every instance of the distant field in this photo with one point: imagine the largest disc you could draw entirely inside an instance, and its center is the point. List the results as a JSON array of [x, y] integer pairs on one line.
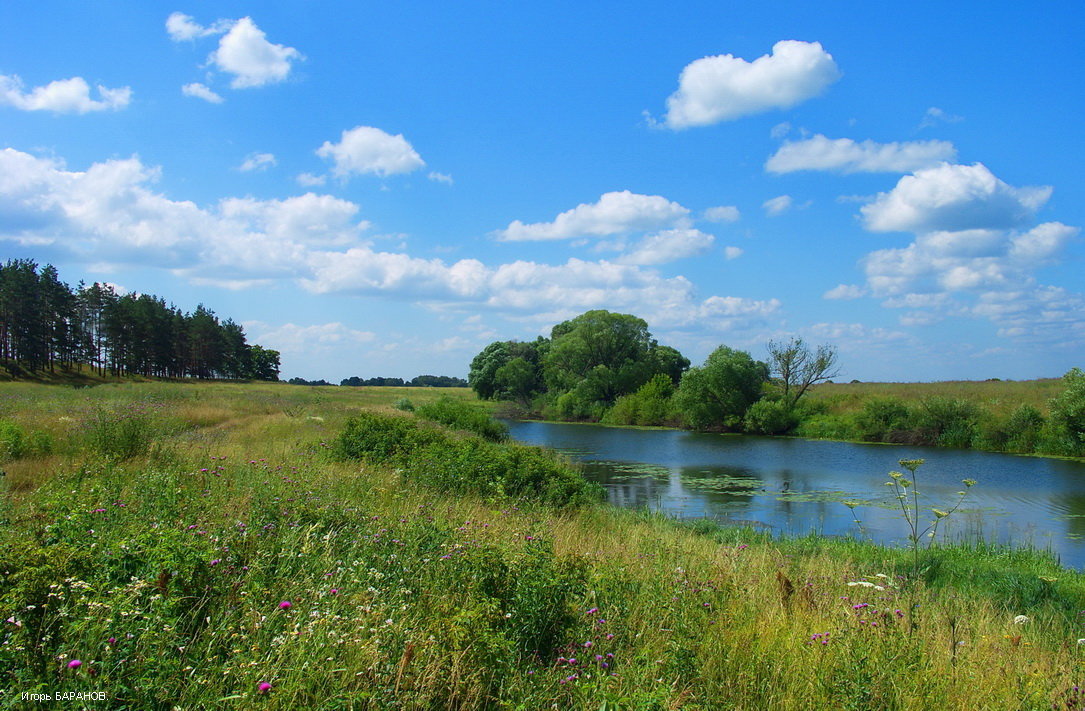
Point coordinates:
[[1000, 397]]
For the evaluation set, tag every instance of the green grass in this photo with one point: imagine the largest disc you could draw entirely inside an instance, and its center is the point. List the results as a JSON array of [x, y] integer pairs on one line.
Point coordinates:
[[1000, 397], [163, 567]]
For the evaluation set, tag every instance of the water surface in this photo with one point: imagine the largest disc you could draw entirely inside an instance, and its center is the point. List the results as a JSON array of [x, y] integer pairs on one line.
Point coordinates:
[[797, 486]]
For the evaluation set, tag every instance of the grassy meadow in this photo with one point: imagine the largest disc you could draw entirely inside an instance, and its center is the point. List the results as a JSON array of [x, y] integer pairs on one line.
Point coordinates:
[[270, 546]]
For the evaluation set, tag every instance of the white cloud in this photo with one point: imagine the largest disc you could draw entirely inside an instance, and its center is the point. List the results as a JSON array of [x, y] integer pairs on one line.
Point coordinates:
[[309, 180], [730, 253], [845, 291], [725, 87], [110, 214], [245, 52], [952, 197], [440, 177], [935, 116], [780, 130], [258, 162], [364, 149], [293, 339], [182, 27], [669, 246], [777, 205], [722, 213], [614, 213], [847, 156], [201, 91], [64, 96]]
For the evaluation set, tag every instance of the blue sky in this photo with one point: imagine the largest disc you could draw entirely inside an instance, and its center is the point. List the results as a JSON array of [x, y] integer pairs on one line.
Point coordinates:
[[382, 189]]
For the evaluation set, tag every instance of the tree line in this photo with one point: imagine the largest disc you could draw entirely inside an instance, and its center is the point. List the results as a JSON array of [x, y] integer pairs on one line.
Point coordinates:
[[604, 366], [45, 324], [420, 381]]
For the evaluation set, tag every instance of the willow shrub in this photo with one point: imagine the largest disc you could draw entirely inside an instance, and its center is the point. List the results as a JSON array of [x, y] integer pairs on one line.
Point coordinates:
[[464, 464]]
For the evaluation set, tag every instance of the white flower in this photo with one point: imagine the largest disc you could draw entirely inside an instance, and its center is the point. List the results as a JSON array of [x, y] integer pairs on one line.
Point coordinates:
[[1020, 620]]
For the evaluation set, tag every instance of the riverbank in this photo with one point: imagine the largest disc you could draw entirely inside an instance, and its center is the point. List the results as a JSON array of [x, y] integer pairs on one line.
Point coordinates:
[[190, 544]]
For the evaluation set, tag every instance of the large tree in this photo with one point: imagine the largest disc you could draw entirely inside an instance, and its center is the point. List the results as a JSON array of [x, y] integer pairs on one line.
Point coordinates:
[[796, 367], [718, 394]]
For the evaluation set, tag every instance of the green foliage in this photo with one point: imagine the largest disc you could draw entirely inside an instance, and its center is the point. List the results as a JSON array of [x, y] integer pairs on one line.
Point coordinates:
[[122, 433], [884, 419], [947, 422], [463, 464], [770, 417], [827, 426], [16, 444], [462, 415], [517, 378], [1067, 424], [1024, 429], [650, 405], [404, 404], [719, 394]]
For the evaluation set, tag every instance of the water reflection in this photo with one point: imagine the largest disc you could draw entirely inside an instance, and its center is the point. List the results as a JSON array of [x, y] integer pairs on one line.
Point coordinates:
[[798, 486]]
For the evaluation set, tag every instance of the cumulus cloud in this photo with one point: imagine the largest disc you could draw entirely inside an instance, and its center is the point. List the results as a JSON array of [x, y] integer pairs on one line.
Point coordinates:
[[614, 213], [722, 213], [201, 91], [182, 27], [309, 180], [777, 205], [64, 96], [291, 338], [847, 156], [111, 214], [845, 291], [952, 197], [730, 253], [258, 162], [245, 52], [365, 149], [725, 87], [669, 246]]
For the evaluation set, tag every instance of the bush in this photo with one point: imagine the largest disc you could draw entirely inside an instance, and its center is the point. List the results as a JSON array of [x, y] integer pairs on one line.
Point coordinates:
[[770, 417], [467, 464], [404, 404], [884, 420], [947, 422], [1023, 429], [826, 426], [461, 415], [650, 405], [120, 435], [1066, 434], [382, 440], [16, 444]]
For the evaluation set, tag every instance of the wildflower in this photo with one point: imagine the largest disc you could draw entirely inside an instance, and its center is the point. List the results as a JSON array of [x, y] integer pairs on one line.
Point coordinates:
[[592, 611], [111, 640], [1081, 642], [263, 687], [75, 664], [285, 605], [1020, 620]]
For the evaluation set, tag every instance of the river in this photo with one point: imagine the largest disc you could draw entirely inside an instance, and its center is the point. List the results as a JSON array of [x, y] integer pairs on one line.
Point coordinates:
[[797, 486]]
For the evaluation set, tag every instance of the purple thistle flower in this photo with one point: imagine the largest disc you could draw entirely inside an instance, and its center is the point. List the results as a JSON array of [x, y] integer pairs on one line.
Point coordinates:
[[285, 605], [263, 687], [75, 664]]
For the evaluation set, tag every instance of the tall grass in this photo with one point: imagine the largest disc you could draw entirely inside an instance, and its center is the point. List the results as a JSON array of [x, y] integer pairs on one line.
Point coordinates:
[[242, 563]]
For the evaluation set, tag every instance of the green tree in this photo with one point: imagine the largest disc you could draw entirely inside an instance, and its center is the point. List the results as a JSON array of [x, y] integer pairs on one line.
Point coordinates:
[[797, 367], [602, 354], [517, 379], [1068, 416], [718, 394]]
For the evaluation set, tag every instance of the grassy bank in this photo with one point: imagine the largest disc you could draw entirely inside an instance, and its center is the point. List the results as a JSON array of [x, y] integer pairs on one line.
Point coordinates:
[[246, 546]]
